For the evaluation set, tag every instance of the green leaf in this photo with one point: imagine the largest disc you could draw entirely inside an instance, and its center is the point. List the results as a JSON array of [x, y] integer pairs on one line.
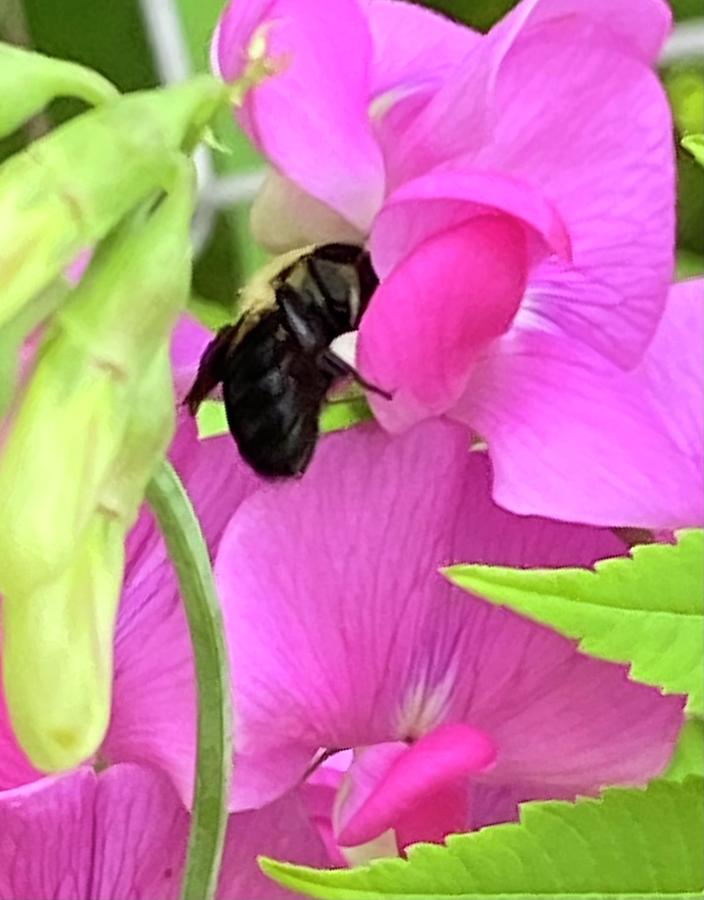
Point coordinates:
[[645, 609], [209, 313], [189, 555], [211, 419], [694, 143], [29, 81], [344, 413], [336, 416], [689, 264], [688, 758], [629, 844]]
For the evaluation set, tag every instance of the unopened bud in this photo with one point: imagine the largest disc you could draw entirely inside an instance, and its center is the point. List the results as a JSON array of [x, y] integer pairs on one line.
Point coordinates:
[[69, 189], [57, 651], [66, 436]]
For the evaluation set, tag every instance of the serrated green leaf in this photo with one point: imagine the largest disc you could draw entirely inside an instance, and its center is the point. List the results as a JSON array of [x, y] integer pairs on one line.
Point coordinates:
[[630, 844], [688, 758], [694, 144], [646, 609]]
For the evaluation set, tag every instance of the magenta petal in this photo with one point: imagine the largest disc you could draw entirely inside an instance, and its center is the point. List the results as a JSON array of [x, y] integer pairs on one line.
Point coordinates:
[[574, 438], [344, 634], [282, 830], [15, 767], [434, 313], [413, 781], [153, 713], [46, 832], [140, 835], [444, 199], [555, 103], [188, 341], [462, 115], [311, 118], [539, 105]]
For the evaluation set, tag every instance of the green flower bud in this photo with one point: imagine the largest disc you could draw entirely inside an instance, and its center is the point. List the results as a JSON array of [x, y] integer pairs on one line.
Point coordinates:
[[146, 439], [58, 637], [66, 437], [67, 190], [57, 651], [14, 333], [29, 81]]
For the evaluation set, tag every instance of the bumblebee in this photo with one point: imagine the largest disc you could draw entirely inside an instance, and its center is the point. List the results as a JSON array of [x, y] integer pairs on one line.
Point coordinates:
[[275, 363]]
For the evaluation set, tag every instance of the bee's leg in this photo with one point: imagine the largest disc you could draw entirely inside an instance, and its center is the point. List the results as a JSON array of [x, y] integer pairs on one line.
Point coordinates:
[[330, 362], [211, 369]]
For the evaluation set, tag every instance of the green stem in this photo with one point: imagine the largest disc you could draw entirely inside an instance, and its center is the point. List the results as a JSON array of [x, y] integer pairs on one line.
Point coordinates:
[[189, 555]]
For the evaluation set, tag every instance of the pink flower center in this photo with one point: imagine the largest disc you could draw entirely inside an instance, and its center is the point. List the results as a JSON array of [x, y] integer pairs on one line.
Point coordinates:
[[420, 790]]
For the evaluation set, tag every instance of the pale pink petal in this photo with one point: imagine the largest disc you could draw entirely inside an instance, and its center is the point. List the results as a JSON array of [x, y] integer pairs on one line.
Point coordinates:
[[284, 217], [282, 830], [319, 793], [421, 790], [573, 438], [310, 118], [46, 831], [153, 712], [74, 271], [368, 767], [139, 836], [442, 200], [344, 634], [424, 329]]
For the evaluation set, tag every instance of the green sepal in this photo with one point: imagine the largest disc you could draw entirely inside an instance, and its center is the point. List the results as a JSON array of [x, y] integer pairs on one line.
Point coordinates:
[[14, 333], [694, 144], [30, 81]]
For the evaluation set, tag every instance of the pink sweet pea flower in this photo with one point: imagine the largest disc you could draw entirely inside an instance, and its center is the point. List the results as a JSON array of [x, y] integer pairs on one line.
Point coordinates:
[[517, 193], [117, 826], [344, 635], [121, 833]]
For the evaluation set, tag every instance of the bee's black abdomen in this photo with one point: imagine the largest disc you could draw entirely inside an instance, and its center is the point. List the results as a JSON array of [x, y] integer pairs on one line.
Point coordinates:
[[275, 363], [272, 400]]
